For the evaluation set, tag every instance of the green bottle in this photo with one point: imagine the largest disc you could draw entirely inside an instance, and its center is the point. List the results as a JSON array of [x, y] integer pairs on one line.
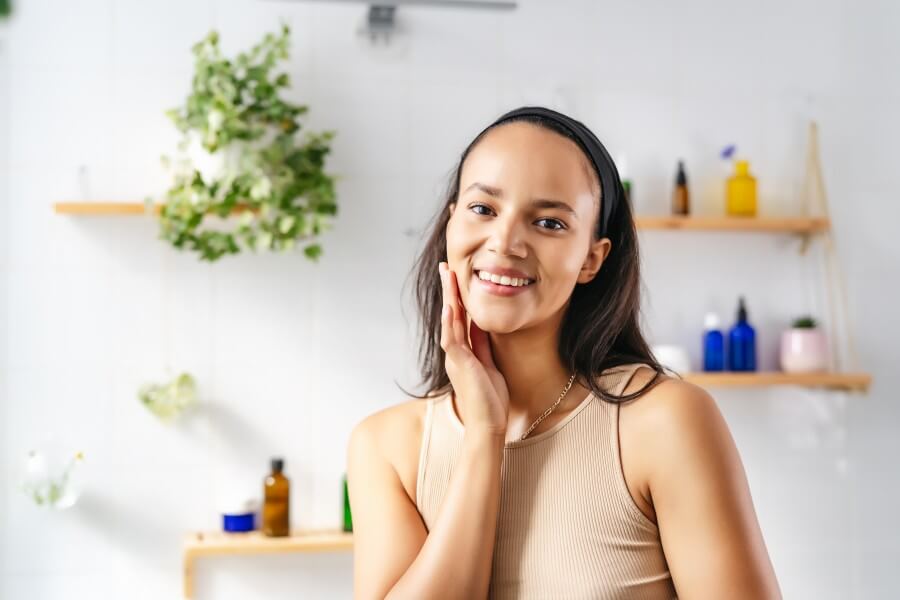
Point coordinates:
[[348, 518]]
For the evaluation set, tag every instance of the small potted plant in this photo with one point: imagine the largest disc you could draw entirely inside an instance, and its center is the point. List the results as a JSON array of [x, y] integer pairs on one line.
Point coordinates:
[[243, 153], [169, 400], [804, 347]]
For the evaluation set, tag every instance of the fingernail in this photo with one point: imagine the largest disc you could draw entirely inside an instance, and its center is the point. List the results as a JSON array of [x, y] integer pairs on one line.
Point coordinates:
[[446, 311]]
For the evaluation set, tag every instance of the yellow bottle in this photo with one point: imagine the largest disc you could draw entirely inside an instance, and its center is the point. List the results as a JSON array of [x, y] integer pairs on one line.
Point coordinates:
[[740, 191]]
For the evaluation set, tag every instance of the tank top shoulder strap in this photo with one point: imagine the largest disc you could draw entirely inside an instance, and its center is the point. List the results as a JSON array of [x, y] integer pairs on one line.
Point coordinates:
[[615, 379], [619, 379], [427, 426]]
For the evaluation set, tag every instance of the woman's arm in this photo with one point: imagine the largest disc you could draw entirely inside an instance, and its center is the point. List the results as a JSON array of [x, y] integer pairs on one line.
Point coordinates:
[[699, 491], [394, 556]]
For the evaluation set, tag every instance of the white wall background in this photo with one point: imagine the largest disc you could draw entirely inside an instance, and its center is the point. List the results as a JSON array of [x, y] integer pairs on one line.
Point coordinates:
[[290, 355], [4, 265]]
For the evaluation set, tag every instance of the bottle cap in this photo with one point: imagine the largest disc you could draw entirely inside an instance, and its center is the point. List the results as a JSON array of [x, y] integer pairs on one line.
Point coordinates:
[[681, 177], [277, 465], [711, 321], [742, 310]]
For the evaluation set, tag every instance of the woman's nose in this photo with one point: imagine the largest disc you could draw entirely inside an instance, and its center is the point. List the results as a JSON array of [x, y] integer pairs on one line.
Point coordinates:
[[507, 238]]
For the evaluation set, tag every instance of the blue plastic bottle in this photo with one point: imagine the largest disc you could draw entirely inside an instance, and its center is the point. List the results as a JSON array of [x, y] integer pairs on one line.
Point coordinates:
[[713, 344], [742, 342]]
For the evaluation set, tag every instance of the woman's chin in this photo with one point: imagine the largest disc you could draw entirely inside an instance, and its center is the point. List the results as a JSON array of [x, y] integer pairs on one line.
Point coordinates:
[[497, 323]]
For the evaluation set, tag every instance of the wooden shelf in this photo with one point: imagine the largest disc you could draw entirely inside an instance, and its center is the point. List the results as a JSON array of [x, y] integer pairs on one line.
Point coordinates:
[[111, 208], [102, 208], [803, 225], [254, 542], [858, 382], [218, 543]]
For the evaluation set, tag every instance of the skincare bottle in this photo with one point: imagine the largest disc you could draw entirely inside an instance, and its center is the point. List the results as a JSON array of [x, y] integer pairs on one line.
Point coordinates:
[[680, 200], [742, 342], [348, 518], [276, 504], [713, 344], [741, 191]]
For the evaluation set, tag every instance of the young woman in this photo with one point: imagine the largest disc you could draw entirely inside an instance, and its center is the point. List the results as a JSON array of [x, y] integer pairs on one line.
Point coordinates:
[[551, 457]]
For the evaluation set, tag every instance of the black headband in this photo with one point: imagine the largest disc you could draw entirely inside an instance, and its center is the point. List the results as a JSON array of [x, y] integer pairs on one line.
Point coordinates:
[[611, 192]]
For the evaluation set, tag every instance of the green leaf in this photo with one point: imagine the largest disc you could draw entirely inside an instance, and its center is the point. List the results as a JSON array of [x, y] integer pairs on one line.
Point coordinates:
[[313, 251], [235, 109]]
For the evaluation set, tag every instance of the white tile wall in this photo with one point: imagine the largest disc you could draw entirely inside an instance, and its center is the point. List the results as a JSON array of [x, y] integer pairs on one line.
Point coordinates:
[[93, 307], [4, 266]]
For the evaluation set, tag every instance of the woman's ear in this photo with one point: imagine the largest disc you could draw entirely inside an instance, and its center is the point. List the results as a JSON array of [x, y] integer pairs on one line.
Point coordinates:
[[594, 260], [452, 208]]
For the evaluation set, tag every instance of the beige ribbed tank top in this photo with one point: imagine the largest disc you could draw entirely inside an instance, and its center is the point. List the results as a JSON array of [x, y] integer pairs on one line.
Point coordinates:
[[568, 526]]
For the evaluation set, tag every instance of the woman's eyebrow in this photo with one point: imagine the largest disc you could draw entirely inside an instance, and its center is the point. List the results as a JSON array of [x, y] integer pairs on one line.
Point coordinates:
[[537, 202]]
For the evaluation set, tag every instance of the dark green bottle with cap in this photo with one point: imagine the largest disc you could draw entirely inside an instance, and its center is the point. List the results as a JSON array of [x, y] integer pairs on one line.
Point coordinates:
[[348, 518]]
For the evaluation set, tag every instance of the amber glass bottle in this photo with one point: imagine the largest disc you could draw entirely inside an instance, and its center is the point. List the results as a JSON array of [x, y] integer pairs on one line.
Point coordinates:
[[681, 204], [276, 493]]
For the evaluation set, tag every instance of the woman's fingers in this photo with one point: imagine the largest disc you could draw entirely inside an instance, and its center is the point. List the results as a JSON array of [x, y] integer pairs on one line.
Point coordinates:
[[481, 345], [449, 312], [455, 323], [445, 283], [446, 323], [459, 311]]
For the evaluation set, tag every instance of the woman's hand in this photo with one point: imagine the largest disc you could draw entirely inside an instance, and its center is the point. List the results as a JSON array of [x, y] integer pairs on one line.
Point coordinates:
[[481, 394]]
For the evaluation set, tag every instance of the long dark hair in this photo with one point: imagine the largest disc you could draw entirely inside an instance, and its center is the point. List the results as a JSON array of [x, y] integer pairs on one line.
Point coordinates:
[[600, 329]]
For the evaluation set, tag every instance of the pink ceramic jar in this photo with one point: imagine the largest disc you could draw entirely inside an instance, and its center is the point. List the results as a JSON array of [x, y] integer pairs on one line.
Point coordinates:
[[804, 350]]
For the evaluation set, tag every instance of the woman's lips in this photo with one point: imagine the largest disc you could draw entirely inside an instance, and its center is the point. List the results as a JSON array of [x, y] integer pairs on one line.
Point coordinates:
[[498, 289]]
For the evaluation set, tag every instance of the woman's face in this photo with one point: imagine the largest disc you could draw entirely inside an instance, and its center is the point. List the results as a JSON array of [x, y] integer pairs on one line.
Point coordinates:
[[527, 201]]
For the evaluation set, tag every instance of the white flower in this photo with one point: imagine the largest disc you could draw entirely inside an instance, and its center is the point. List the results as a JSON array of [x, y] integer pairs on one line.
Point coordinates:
[[214, 119], [261, 189], [285, 223]]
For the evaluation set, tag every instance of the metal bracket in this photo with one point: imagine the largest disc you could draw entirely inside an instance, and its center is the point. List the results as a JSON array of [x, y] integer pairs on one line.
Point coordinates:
[[381, 22]]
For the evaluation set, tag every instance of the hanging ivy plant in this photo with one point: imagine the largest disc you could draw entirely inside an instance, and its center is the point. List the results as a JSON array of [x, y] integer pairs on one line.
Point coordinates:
[[244, 154]]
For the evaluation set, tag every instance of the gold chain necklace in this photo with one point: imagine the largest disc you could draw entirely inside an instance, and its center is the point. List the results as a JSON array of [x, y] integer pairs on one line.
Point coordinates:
[[550, 410]]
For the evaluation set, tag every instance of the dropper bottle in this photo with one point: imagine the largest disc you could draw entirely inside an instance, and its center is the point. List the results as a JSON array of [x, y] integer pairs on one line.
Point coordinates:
[[276, 502], [680, 199], [742, 342]]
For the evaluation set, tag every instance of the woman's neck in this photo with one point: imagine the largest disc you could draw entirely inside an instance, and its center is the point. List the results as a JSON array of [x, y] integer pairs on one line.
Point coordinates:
[[535, 375]]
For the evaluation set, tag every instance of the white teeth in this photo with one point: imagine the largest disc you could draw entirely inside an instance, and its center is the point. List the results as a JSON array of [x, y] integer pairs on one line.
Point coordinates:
[[503, 280]]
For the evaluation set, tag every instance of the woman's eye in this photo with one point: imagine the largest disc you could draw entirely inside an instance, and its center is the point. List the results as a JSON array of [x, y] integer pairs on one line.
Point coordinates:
[[559, 223]]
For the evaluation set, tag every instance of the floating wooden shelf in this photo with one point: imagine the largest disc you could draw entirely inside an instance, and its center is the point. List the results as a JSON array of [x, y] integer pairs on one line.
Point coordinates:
[[858, 382], [219, 543], [111, 208], [803, 225], [102, 208], [760, 224]]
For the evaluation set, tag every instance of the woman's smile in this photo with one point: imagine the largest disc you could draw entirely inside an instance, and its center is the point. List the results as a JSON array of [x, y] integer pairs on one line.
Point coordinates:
[[500, 285]]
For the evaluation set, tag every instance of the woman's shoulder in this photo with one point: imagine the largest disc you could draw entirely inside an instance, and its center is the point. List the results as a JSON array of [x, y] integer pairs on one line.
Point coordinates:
[[393, 434], [394, 424], [673, 418], [667, 399]]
